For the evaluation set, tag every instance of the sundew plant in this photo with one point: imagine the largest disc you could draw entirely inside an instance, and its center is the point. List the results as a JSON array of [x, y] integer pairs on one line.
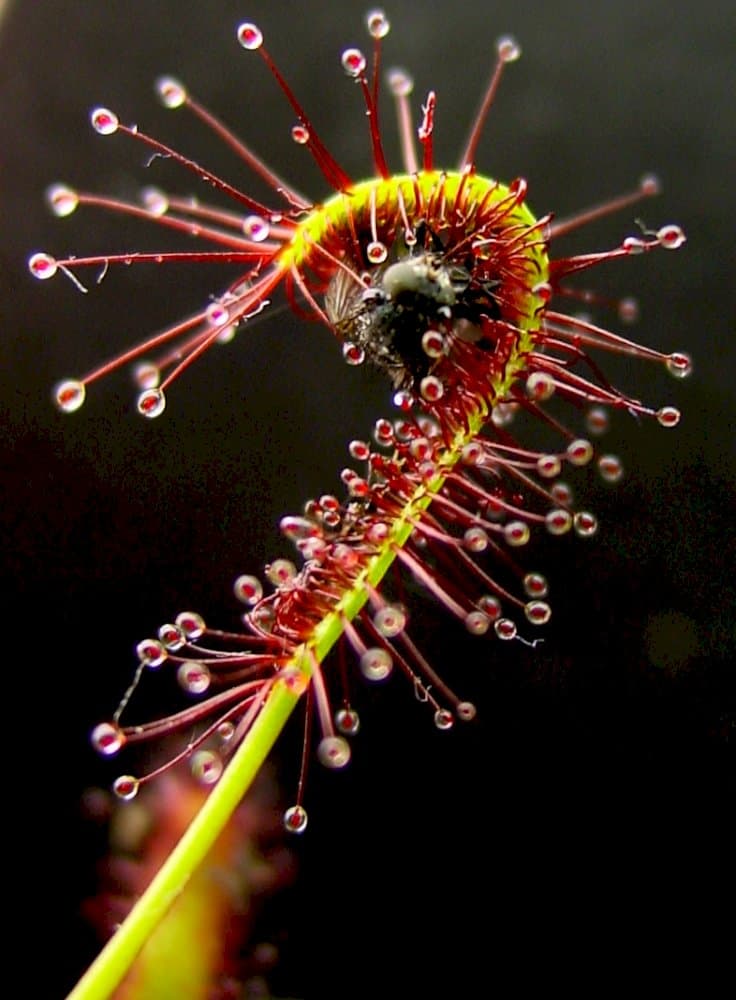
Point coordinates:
[[443, 278]]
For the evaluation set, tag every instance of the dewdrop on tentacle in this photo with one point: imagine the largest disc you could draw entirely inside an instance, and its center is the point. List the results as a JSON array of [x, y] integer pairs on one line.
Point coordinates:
[[442, 278], [107, 739]]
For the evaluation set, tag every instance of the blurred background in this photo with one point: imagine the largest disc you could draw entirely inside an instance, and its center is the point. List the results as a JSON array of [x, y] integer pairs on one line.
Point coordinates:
[[574, 829]]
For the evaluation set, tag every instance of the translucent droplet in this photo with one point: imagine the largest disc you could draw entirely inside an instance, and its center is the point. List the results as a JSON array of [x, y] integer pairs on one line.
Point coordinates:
[[562, 493], [579, 452], [679, 365], [359, 450], [493, 510], [516, 533], [404, 429], [390, 620], [126, 787], [383, 432], [490, 606], [668, 416], [628, 310], [107, 739], [428, 426], [536, 585], [194, 677], [586, 524], [475, 539], [295, 527], [377, 533], [649, 184], [171, 92], [359, 487], [431, 388], [250, 36], [62, 199], [548, 466], [376, 664], [151, 653], [538, 612], [540, 386], [508, 48], [505, 628], [353, 353], [611, 468], [263, 617], [300, 134], [313, 548], [634, 244], [345, 556], [281, 572], [42, 265], [376, 252], [206, 767], [227, 334], [427, 471], [472, 453], [403, 400], [347, 721], [477, 623], [151, 403], [444, 719], [155, 201], [295, 819], [353, 62], [226, 731], [433, 344], [503, 414], [69, 395], [400, 83], [465, 711], [378, 24], [421, 449], [558, 521], [248, 589], [256, 228], [333, 751], [191, 624], [217, 314], [670, 237], [597, 420], [146, 375], [104, 121], [171, 636]]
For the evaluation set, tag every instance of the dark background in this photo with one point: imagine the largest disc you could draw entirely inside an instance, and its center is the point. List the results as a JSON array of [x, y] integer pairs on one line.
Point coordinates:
[[575, 830]]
